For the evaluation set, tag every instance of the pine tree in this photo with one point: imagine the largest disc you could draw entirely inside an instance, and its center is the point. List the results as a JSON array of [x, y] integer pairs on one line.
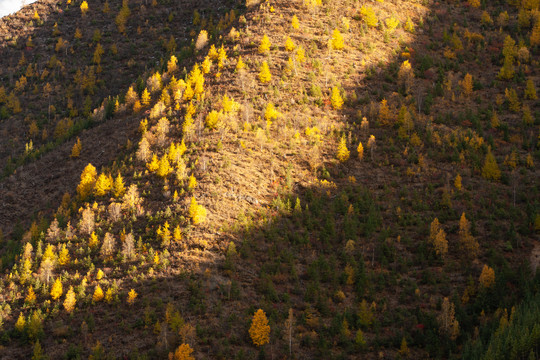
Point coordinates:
[[490, 170], [56, 290], [487, 277], [337, 101], [342, 152], [264, 75], [69, 302], [404, 349], [264, 47], [259, 330], [88, 180]]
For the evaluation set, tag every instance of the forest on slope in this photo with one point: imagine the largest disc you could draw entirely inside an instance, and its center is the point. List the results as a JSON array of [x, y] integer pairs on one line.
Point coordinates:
[[277, 179]]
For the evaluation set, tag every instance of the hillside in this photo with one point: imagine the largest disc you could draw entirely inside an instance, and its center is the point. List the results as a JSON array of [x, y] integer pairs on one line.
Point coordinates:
[[361, 176]]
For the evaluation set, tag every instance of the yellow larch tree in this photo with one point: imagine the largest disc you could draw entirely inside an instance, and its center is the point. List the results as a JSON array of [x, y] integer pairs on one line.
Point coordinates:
[[467, 85], [98, 294], [259, 330], [289, 44], [487, 277], [468, 243], [145, 97], [88, 180], [295, 23], [103, 185], [183, 352], [132, 295], [264, 75], [337, 40], [360, 150], [84, 7], [264, 47], [342, 152], [69, 302], [490, 170], [336, 99], [164, 168], [118, 187], [56, 290], [197, 212], [457, 182]]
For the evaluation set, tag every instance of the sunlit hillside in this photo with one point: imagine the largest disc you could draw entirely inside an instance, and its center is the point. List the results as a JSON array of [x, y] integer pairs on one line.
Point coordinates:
[[306, 179]]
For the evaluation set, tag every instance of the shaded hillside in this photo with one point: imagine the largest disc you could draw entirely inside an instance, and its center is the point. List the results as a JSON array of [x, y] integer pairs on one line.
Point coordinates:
[[364, 174]]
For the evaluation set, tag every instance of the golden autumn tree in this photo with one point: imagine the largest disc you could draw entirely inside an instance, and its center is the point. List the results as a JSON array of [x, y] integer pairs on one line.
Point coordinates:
[[197, 212], [448, 325], [56, 290], [88, 180], [183, 352], [103, 185], [336, 99], [259, 330], [342, 152], [69, 302], [468, 243], [487, 277], [264, 75], [98, 294], [264, 47], [337, 40], [490, 170]]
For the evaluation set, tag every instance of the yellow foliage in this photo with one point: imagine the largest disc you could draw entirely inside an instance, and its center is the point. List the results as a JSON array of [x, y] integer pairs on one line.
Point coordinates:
[[240, 64], [84, 7], [153, 165], [164, 167], [264, 74], [457, 182], [21, 323], [490, 170], [56, 290], [264, 47], [197, 212], [63, 256], [368, 14], [131, 297], [145, 98], [289, 44], [342, 152], [467, 85], [69, 302], [337, 40], [259, 330], [31, 297], [336, 99], [212, 120], [98, 294], [183, 352], [300, 54], [487, 277], [76, 149], [88, 180], [103, 185], [360, 150], [295, 23], [118, 187]]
